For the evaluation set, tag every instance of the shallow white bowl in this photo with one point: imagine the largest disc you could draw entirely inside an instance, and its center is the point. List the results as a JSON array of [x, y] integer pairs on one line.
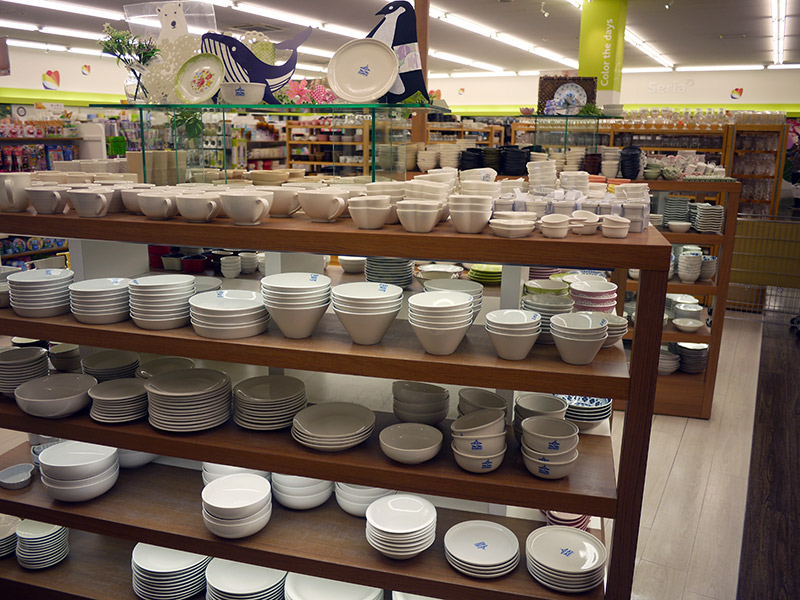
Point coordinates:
[[411, 443], [82, 494], [55, 396], [548, 434], [304, 502], [481, 422], [133, 459], [238, 528], [76, 460], [687, 325], [237, 496], [536, 404]]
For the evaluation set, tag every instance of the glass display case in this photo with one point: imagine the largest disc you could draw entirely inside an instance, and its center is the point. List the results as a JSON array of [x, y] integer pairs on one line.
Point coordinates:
[[562, 132]]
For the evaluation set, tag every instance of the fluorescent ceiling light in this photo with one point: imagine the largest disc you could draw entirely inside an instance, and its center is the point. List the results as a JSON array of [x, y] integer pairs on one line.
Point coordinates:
[[86, 51], [778, 30], [472, 26], [220, 3], [308, 67], [784, 66], [345, 31], [315, 52], [470, 74], [438, 75], [277, 15], [18, 25], [450, 57], [643, 46], [36, 45], [77, 9], [722, 68], [646, 70], [528, 73], [510, 40], [489, 67], [576, 3], [87, 35]]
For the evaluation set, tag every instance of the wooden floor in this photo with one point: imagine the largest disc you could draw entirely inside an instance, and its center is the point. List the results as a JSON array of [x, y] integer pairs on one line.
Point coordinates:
[[770, 557], [696, 486]]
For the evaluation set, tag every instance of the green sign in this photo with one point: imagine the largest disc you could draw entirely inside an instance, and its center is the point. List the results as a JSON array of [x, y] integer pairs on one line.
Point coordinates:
[[603, 42]]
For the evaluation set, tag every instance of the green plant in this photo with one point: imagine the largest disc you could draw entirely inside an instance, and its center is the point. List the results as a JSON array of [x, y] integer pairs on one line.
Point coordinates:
[[190, 120], [131, 50], [590, 110]]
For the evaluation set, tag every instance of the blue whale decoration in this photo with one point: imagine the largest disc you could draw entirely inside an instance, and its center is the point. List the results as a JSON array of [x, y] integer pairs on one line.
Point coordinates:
[[242, 66]]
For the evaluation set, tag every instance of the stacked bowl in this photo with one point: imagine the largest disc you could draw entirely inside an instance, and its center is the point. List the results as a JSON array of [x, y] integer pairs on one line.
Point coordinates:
[[708, 268], [8, 536], [440, 320], [18, 365], [546, 305], [100, 301], [567, 519], [689, 266], [475, 399], [397, 271], [300, 493], [118, 401], [40, 292], [470, 213], [597, 296], [617, 328], [40, 545], [415, 402], [370, 212], [296, 301], [420, 216], [333, 426], [213, 471], [367, 309], [189, 400], [513, 332], [229, 580], [401, 526], [110, 364], [55, 396], [268, 403], [577, 180], [230, 266], [479, 440], [668, 362], [353, 264], [579, 335], [535, 404], [542, 174], [306, 587], [238, 505], [473, 288], [249, 262], [161, 301], [549, 446], [355, 499], [481, 549], [78, 471], [411, 443], [160, 573], [228, 314], [477, 187], [579, 569], [587, 412]]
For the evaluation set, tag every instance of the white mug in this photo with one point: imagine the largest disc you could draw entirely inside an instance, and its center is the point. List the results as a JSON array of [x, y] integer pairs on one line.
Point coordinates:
[[246, 207], [91, 202], [321, 206], [48, 200], [13, 197], [199, 208], [157, 206], [284, 201]]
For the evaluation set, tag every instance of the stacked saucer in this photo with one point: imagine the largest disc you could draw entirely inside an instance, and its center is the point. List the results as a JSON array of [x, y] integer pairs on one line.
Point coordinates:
[[161, 301], [100, 301], [707, 218], [229, 580], [189, 400], [668, 362], [268, 403], [18, 365], [41, 545], [415, 402], [401, 526], [306, 587], [300, 493], [440, 320], [160, 573], [547, 305], [473, 288], [694, 357], [567, 519], [8, 535], [118, 401], [397, 271], [587, 412], [110, 364], [355, 499], [676, 208], [367, 309], [156, 366], [565, 559], [333, 426], [486, 274], [228, 314], [237, 506], [296, 301], [40, 292], [481, 549]]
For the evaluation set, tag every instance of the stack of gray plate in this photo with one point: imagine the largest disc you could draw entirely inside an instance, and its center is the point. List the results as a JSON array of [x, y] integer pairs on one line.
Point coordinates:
[[41, 545], [189, 400]]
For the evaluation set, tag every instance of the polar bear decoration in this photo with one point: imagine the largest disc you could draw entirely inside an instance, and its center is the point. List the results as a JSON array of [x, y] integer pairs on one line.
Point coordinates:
[[176, 46], [173, 22]]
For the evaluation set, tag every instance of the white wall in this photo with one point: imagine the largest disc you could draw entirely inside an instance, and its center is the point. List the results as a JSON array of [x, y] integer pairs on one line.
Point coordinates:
[[27, 67]]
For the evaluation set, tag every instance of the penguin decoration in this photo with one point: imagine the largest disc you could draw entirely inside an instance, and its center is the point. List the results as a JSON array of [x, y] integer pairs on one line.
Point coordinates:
[[398, 30]]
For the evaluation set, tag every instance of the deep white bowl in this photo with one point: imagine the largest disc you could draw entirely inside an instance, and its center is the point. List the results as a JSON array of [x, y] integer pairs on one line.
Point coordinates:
[[304, 502], [366, 329], [82, 494], [549, 469], [296, 323], [536, 404], [480, 445], [476, 463], [481, 422], [238, 528], [236, 496], [575, 351], [512, 346], [440, 342], [70, 460], [548, 434]]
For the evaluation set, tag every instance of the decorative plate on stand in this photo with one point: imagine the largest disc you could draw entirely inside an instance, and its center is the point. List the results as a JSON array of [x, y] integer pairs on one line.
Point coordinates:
[[362, 70], [199, 78]]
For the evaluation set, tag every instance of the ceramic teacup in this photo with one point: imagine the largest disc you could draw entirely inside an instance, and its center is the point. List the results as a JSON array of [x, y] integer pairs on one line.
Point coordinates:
[[284, 201], [322, 206], [13, 197], [48, 200], [90, 202], [158, 206], [199, 207], [246, 207]]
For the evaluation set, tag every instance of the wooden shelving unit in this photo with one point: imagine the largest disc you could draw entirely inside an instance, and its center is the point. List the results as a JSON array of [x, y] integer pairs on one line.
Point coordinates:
[[491, 135], [160, 504], [773, 133], [317, 147]]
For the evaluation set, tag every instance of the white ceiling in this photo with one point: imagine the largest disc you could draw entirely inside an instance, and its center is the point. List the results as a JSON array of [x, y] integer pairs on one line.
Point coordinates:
[[691, 32]]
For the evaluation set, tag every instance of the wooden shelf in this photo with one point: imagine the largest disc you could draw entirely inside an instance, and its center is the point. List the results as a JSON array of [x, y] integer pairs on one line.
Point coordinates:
[[325, 542], [672, 334], [678, 394], [676, 286], [743, 176], [692, 237], [300, 125], [399, 356], [755, 151], [34, 252], [309, 142], [590, 489], [676, 149], [646, 250], [691, 186], [41, 140], [329, 164]]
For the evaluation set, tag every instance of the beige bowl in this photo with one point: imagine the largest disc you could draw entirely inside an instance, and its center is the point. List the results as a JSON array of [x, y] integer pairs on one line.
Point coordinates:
[[476, 463], [411, 443], [480, 422]]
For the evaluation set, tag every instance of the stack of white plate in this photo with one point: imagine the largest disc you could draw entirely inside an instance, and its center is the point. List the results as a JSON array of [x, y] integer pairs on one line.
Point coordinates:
[[8, 535], [694, 357], [676, 208], [296, 301], [269, 402], [440, 319], [481, 549], [206, 284], [333, 426], [401, 526], [100, 301], [213, 471], [40, 292], [565, 559], [300, 493], [111, 364], [41, 545], [118, 401], [156, 366], [229, 580], [228, 314], [160, 573], [306, 587], [18, 365], [707, 218], [473, 288], [547, 305], [189, 400], [355, 499], [567, 519], [161, 301], [668, 362], [238, 505], [367, 309], [397, 271], [78, 471], [415, 402]]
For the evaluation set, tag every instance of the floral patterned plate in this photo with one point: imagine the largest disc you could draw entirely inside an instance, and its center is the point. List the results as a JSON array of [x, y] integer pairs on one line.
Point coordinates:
[[199, 78]]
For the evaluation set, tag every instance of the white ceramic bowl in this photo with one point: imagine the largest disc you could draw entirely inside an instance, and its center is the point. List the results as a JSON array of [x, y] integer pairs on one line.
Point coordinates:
[[55, 396], [576, 351], [679, 226], [133, 459], [478, 463], [70, 460], [302, 492], [236, 496], [416, 392], [548, 434], [366, 329], [481, 422], [369, 217], [296, 323], [687, 325], [410, 443], [417, 220], [565, 452], [433, 418], [550, 469], [480, 445], [512, 346], [440, 342], [242, 93], [536, 404], [470, 221], [303, 502], [82, 494], [422, 408], [238, 528]]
